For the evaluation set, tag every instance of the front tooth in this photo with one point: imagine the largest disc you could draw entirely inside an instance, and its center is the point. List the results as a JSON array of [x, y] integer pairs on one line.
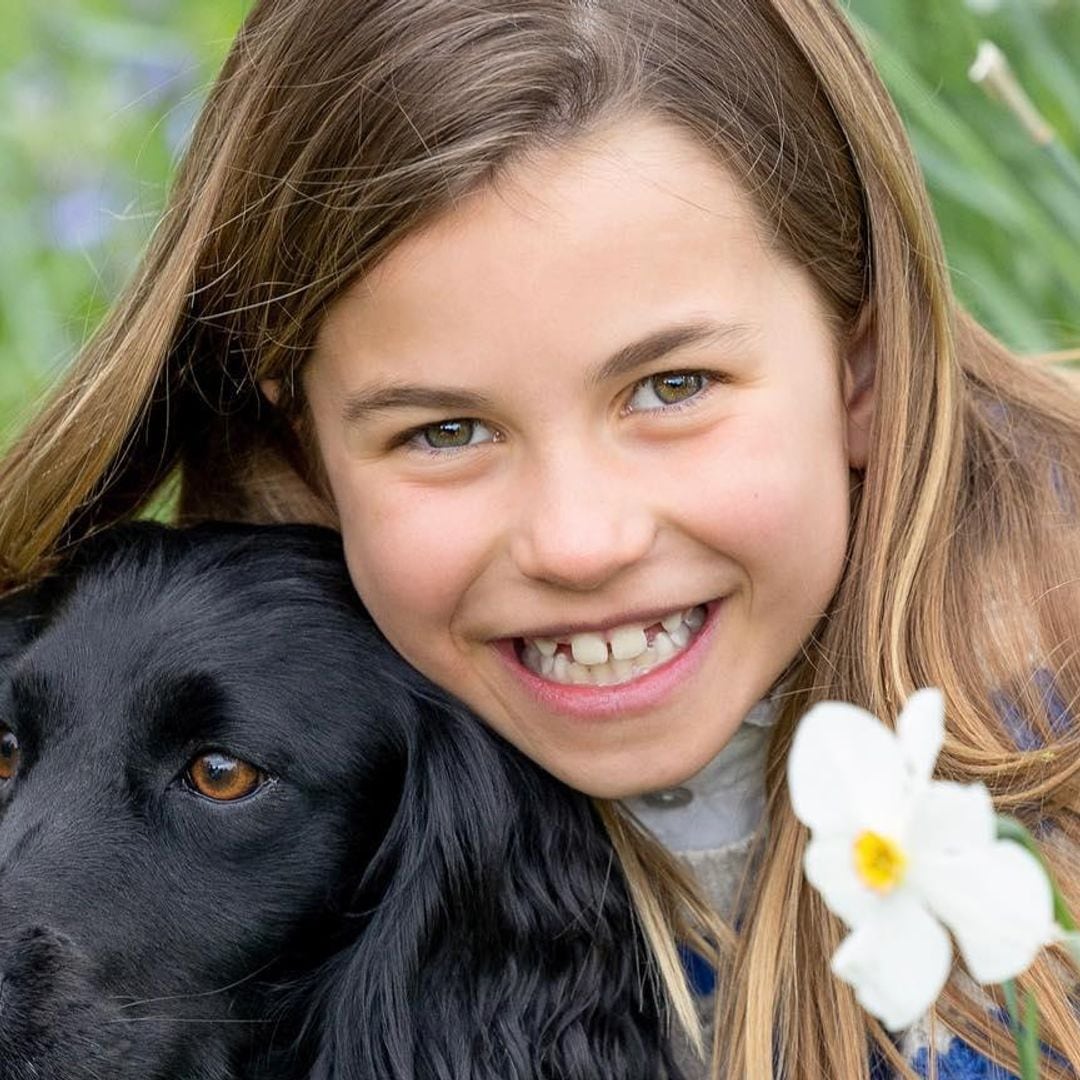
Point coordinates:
[[589, 649], [664, 646], [546, 646], [628, 642], [561, 670], [646, 660], [672, 622], [603, 674]]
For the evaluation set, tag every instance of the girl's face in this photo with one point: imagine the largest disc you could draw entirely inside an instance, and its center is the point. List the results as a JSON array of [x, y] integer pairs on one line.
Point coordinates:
[[589, 438]]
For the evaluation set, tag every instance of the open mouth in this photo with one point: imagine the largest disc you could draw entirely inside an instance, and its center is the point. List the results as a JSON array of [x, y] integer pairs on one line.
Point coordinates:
[[612, 656]]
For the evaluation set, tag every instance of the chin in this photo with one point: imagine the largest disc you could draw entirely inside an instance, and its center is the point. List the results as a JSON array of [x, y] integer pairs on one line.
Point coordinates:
[[625, 779]]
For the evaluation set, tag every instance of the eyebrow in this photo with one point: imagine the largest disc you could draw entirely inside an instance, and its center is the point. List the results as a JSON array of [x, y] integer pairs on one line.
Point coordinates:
[[363, 403]]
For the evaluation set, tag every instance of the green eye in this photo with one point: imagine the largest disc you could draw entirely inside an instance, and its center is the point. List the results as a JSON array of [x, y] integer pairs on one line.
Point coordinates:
[[449, 434], [452, 435], [677, 386], [670, 388]]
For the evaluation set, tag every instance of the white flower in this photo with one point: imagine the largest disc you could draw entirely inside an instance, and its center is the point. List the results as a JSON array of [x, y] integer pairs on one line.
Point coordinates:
[[896, 854]]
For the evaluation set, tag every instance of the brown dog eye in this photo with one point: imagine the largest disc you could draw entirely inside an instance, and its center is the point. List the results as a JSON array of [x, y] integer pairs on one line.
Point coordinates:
[[223, 778], [9, 753]]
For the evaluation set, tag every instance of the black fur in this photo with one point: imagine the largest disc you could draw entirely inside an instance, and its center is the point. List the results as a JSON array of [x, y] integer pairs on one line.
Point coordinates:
[[408, 898]]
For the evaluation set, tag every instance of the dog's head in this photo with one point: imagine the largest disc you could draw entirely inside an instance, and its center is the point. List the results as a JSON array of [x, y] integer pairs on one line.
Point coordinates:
[[226, 806]]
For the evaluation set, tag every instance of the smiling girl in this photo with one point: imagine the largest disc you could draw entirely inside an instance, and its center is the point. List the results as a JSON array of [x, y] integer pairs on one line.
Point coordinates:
[[617, 340]]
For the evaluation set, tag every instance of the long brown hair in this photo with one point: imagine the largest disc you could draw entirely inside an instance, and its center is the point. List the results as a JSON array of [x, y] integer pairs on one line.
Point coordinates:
[[339, 126]]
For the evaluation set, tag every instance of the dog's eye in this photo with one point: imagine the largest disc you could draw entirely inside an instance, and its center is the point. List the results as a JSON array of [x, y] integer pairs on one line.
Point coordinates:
[[9, 753], [223, 778]]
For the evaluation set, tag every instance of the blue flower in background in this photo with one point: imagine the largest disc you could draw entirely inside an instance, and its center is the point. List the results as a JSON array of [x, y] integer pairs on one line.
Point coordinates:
[[82, 217], [179, 123], [1020, 727], [150, 81]]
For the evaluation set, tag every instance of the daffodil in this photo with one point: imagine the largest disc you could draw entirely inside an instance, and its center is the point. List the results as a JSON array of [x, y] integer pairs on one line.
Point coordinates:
[[900, 857]]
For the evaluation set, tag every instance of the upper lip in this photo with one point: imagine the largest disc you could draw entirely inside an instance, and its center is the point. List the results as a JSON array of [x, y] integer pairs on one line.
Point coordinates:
[[632, 618]]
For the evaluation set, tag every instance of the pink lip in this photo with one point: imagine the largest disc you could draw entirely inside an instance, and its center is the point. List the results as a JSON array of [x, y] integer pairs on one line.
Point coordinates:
[[600, 702]]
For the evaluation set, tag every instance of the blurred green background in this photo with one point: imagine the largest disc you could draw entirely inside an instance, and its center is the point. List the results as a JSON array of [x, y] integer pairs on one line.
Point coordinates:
[[98, 97]]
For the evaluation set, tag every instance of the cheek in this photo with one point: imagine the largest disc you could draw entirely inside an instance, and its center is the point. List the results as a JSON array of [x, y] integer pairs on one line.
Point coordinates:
[[779, 503], [411, 555]]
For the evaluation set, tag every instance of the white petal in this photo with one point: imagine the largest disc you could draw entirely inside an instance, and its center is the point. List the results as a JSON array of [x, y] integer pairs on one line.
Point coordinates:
[[950, 819], [897, 962], [920, 728], [997, 902], [846, 772], [1070, 939], [829, 865]]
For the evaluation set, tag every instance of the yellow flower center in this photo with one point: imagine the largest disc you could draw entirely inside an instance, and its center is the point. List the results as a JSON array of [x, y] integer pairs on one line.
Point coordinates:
[[879, 861]]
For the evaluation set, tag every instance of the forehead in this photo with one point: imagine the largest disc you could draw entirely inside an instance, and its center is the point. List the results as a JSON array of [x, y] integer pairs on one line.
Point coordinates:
[[569, 248]]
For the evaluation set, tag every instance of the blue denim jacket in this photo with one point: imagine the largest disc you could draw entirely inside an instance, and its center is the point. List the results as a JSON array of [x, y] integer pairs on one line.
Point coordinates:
[[957, 1062]]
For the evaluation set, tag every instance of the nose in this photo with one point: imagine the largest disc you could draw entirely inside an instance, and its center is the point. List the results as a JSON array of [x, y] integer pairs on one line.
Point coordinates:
[[581, 522]]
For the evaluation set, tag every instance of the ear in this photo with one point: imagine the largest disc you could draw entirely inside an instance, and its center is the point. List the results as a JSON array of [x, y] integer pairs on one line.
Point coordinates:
[[270, 389], [25, 614], [859, 385], [21, 617], [501, 943]]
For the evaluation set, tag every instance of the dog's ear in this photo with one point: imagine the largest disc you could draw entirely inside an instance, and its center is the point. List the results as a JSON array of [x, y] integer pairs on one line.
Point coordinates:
[[500, 942], [22, 615]]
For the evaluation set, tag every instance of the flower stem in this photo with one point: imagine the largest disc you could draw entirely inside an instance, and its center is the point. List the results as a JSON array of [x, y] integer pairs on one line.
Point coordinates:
[[1025, 1032]]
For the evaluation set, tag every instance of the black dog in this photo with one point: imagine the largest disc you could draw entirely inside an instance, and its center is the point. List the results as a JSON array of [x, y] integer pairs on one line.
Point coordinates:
[[241, 838]]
